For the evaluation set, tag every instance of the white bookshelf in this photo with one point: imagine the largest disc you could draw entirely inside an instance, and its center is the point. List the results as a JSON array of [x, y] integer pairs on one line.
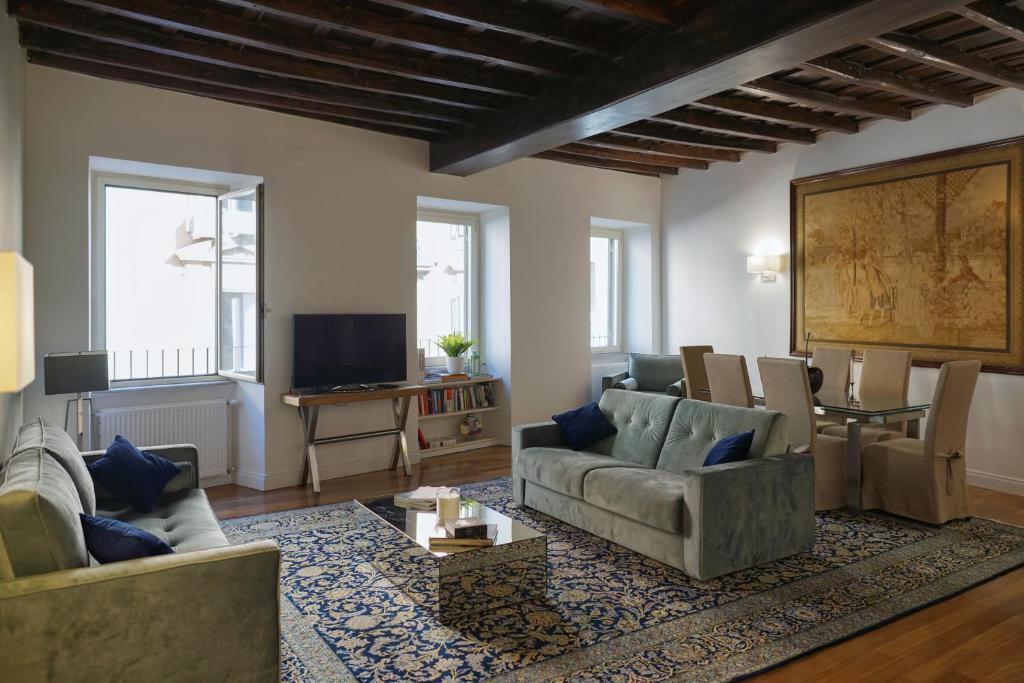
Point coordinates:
[[440, 425]]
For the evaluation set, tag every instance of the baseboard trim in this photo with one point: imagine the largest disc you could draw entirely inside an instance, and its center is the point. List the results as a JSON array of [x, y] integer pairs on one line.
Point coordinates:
[[996, 482]]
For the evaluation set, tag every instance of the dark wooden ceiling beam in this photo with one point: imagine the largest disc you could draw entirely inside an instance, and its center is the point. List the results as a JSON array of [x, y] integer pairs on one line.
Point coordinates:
[[773, 87], [782, 113], [631, 155], [77, 47], [864, 76], [498, 17], [298, 42], [675, 149], [539, 59], [642, 11], [995, 15], [607, 164], [723, 48], [661, 131], [129, 33], [730, 124], [947, 57], [120, 73]]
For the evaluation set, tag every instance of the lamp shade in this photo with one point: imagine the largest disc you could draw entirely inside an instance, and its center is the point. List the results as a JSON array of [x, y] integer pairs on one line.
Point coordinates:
[[764, 264], [75, 373], [17, 341]]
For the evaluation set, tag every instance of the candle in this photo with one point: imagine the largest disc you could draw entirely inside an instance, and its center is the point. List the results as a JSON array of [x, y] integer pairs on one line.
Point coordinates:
[[447, 504]]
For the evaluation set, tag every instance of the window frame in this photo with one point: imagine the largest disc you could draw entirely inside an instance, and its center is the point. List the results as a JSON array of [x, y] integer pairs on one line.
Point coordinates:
[[472, 308], [98, 275], [616, 298]]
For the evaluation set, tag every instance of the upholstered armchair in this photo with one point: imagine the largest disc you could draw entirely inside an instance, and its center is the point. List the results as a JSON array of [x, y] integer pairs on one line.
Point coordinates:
[[926, 480], [787, 390], [650, 374]]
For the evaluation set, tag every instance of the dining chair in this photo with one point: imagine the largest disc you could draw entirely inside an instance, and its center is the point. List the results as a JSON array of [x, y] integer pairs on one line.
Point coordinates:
[[695, 375], [926, 479], [728, 379], [884, 373], [787, 390], [834, 364]]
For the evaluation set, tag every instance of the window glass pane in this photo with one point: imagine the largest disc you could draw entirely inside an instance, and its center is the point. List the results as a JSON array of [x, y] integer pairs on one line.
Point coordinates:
[[442, 282], [603, 292], [239, 296], [160, 271]]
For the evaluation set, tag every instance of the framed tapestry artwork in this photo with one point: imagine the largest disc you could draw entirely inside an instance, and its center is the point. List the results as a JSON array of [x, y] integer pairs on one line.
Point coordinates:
[[923, 254]]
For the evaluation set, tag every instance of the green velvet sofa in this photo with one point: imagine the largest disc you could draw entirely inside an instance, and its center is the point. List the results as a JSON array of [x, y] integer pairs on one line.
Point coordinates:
[[646, 488], [649, 374], [207, 612]]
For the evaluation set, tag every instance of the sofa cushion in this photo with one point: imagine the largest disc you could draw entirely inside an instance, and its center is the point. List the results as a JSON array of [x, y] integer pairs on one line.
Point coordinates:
[[651, 497], [641, 420], [111, 540], [655, 373], [730, 449], [583, 426], [184, 520], [560, 469], [39, 527], [697, 425], [131, 475], [185, 479], [41, 434]]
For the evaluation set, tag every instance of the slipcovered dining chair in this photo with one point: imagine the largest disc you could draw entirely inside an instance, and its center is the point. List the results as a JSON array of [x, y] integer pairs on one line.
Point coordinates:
[[884, 372], [728, 379], [787, 390], [926, 480], [695, 375], [834, 364]]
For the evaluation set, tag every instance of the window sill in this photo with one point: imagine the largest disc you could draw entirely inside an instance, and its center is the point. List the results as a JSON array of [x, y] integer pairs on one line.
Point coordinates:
[[219, 381]]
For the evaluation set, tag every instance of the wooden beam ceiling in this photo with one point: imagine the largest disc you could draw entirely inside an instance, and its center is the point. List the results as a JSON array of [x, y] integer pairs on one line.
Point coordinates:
[[652, 159], [704, 120], [949, 58], [782, 113], [724, 49], [610, 164], [783, 90], [858, 74], [663, 147], [996, 16]]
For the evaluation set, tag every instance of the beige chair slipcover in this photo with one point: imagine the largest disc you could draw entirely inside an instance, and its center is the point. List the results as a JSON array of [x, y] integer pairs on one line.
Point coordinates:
[[926, 480], [728, 379], [694, 373], [787, 390], [884, 373], [835, 367]]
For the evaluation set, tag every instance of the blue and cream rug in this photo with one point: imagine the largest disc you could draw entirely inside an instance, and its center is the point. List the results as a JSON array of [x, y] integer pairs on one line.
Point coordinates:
[[611, 614]]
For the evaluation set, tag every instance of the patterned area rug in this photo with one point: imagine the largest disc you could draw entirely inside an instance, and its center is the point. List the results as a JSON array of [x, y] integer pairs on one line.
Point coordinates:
[[612, 614]]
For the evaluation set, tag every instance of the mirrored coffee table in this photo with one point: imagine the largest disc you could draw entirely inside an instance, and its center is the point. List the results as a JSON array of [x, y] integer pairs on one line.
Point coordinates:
[[454, 585]]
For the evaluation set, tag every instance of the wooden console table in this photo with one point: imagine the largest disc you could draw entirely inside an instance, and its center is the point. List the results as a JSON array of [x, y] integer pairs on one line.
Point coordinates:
[[309, 411]]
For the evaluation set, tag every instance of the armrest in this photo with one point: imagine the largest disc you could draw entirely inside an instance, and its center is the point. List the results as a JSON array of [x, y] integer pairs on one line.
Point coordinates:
[[609, 381], [677, 388], [157, 618], [183, 452], [537, 434], [746, 513]]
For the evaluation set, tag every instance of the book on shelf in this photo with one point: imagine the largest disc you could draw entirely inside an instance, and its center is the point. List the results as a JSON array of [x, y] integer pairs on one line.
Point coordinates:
[[470, 527], [422, 498], [438, 401]]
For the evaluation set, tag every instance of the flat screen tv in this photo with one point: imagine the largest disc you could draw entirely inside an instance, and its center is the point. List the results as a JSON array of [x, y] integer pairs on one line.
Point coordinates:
[[345, 350]]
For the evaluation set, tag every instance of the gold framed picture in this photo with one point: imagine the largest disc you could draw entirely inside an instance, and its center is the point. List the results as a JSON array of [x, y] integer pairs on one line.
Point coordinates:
[[923, 254]]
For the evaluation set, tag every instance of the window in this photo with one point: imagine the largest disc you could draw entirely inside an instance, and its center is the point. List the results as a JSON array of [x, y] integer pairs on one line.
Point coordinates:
[[177, 280], [605, 290], [446, 279]]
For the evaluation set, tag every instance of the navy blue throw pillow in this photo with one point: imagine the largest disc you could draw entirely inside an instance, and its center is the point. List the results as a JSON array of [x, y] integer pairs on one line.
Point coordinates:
[[111, 540], [584, 426], [133, 476], [730, 449]]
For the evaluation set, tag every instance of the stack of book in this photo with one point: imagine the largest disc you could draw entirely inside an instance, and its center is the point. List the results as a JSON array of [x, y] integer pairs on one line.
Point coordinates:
[[456, 399], [423, 498], [464, 534]]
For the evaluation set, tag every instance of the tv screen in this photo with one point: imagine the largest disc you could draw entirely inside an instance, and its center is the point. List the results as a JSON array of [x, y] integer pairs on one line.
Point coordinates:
[[344, 350]]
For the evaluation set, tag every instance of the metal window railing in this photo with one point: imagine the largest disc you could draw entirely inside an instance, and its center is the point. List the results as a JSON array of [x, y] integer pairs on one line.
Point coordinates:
[[137, 364]]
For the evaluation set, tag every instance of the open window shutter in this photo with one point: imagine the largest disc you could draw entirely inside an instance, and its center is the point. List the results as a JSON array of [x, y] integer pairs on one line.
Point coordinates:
[[240, 284]]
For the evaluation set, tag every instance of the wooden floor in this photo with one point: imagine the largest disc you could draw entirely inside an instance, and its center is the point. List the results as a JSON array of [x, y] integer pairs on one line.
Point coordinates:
[[976, 636]]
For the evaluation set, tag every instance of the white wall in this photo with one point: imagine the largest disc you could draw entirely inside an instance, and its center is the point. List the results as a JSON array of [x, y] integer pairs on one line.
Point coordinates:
[[712, 220], [12, 72], [340, 237], [495, 307]]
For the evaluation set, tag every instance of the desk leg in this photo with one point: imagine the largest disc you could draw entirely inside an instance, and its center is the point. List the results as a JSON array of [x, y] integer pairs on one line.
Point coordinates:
[[400, 407], [309, 418], [853, 466]]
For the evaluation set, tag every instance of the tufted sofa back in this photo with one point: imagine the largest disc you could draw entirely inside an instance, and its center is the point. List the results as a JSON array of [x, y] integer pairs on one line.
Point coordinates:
[[642, 421], [697, 425]]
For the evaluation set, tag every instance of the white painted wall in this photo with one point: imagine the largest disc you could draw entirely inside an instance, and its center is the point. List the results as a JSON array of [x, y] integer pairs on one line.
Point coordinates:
[[12, 104], [495, 309], [712, 220], [340, 237]]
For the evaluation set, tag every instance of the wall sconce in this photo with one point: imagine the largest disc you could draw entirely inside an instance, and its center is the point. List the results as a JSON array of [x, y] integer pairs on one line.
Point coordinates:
[[765, 266]]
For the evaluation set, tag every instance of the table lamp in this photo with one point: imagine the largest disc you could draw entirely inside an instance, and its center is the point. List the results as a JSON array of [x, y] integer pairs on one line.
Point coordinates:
[[17, 348], [78, 372]]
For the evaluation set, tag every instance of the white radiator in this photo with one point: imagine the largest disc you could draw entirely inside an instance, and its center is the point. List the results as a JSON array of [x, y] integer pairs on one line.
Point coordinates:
[[203, 423]]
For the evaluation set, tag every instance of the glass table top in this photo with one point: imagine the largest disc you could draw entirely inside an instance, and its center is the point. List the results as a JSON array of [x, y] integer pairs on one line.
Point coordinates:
[[419, 525], [867, 406]]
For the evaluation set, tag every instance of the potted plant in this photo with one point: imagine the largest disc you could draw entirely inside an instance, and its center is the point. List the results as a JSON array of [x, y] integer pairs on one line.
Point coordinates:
[[454, 345]]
